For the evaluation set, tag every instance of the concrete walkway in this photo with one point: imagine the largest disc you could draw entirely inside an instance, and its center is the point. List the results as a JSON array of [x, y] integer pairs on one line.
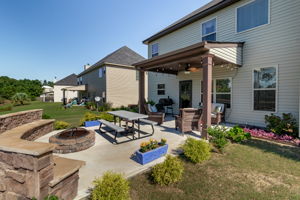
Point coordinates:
[[105, 156]]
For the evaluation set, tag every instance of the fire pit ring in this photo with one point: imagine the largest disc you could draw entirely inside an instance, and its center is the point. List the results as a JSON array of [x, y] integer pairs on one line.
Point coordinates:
[[73, 140]]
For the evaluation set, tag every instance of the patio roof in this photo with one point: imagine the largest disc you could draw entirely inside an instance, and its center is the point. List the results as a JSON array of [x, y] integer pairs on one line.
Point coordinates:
[[76, 88], [224, 53]]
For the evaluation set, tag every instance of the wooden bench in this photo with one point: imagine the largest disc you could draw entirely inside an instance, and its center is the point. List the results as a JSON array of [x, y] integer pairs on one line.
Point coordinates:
[[112, 126], [152, 123]]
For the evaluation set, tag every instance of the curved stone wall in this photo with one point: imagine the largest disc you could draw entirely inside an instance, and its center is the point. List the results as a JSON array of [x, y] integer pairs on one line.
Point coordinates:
[[13, 120]]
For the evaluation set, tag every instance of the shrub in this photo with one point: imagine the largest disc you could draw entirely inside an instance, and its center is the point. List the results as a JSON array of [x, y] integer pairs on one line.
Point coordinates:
[[88, 116], [237, 134], [105, 107], [111, 186], [2, 100], [20, 98], [168, 172], [282, 125], [50, 197], [152, 144], [45, 116], [5, 107], [218, 137], [61, 125], [196, 151], [151, 102], [90, 105]]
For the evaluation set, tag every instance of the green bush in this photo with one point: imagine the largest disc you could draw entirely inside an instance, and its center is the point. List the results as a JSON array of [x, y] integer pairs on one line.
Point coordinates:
[[196, 151], [105, 107], [90, 105], [2, 100], [58, 125], [45, 116], [286, 124], [88, 116], [111, 186], [237, 134], [50, 197], [168, 172], [20, 98], [6, 107], [218, 137]]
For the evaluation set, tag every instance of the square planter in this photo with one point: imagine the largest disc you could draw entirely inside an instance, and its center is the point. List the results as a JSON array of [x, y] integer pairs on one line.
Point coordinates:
[[144, 158], [91, 123]]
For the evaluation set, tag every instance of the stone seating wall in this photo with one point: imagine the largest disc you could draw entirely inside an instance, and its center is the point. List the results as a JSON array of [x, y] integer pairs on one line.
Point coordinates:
[[28, 169], [13, 120]]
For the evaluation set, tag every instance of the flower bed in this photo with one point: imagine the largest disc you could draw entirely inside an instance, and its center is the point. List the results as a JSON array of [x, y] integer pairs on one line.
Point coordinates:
[[151, 150], [286, 139]]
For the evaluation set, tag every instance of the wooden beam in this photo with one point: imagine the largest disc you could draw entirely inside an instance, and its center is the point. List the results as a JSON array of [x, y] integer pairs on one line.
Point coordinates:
[[141, 91], [207, 88]]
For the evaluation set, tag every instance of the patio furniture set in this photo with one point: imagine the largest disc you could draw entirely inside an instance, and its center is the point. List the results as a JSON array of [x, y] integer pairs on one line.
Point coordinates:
[[128, 117]]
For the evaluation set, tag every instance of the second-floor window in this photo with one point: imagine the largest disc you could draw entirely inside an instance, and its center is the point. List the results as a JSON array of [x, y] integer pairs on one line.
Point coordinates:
[[101, 72], [209, 30], [251, 15], [154, 50]]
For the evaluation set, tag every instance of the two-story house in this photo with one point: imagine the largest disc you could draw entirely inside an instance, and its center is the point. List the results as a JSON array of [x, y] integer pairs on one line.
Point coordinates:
[[242, 53], [113, 78]]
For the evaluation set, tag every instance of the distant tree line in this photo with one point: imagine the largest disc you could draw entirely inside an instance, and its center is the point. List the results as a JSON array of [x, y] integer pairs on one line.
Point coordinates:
[[9, 87]]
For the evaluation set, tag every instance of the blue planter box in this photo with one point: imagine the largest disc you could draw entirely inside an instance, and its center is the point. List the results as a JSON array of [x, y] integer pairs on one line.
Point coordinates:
[[144, 158], [91, 123]]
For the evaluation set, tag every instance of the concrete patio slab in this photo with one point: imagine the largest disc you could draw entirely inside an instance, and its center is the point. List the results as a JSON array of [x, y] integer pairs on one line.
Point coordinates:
[[105, 156]]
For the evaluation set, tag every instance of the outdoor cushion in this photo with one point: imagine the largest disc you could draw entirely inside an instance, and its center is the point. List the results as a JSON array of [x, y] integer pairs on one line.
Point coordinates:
[[153, 109], [214, 115], [217, 109]]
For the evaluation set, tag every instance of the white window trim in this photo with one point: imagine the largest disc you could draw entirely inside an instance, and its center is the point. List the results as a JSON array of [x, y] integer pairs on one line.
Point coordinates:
[[260, 26], [276, 89], [157, 49], [214, 93], [212, 32]]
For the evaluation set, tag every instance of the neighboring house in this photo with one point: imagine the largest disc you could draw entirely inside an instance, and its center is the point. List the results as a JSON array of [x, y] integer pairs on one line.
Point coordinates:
[[64, 84], [113, 78], [48, 94], [255, 48]]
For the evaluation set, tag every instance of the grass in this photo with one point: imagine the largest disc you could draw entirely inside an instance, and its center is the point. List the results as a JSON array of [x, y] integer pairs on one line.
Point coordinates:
[[55, 111], [255, 170]]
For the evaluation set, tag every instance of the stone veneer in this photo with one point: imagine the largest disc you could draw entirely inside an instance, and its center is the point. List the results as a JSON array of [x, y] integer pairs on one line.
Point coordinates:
[[13, 120], [28, 169]]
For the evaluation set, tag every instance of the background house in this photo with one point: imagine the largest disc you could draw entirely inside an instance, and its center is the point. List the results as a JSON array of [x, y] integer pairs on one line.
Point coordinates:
[[66, 82], [48, 94], [112, 78], [268, 79]]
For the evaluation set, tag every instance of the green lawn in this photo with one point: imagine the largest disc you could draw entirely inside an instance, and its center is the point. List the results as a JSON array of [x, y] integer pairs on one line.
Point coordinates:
[[256, 170], [55, 111]]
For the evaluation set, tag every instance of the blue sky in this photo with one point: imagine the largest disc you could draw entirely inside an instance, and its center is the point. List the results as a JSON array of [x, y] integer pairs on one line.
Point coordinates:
[[41, 39]]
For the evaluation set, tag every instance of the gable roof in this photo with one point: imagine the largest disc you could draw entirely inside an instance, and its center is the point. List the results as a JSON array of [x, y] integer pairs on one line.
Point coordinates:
[[69, 80], [123, 56], [202, 12]]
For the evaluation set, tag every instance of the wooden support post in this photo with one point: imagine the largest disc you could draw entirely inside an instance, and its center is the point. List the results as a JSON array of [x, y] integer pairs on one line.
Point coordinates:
[[141, 91], [207, 63]]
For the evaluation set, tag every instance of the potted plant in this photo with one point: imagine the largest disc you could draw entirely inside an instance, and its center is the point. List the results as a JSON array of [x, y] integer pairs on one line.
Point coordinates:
[[151, 106], [151, 150]]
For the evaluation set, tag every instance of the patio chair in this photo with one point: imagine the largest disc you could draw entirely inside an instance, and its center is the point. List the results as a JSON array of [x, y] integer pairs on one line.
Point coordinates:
[[158, 117], [188, 120], [217, 113]]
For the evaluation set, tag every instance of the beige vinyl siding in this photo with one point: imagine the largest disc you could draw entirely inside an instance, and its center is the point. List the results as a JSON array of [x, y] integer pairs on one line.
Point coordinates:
[[58, 93], [233, 55], [96, 85], [122, 86], [275, 44]]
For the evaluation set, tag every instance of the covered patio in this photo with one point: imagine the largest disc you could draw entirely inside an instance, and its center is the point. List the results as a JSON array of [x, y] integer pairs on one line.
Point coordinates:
[[78, 88], [201, 56]]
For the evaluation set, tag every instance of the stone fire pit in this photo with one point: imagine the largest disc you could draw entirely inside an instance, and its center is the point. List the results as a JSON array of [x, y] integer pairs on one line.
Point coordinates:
[[73, 140]]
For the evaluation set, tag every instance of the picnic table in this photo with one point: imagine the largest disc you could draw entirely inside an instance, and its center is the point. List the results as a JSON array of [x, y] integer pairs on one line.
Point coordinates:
[[128, 117]]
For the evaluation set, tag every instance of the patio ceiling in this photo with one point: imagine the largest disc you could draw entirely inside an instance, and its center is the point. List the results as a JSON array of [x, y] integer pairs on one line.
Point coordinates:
[[224, 53]]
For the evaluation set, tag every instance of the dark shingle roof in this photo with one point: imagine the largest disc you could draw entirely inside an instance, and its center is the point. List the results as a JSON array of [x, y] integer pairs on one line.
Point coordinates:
[[204, 11], [122, 56], [69, 80]]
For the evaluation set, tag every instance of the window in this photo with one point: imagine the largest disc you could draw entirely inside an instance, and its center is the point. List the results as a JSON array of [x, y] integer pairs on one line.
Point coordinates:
[[160, 89], [265, 88], [137, 75], [154, 49], [101, 72], [79, 80], [252, 15], [221, 91], [209, 30]]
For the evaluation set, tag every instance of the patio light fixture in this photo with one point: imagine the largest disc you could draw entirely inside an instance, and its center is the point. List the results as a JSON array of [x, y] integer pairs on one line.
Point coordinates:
[[190, 68]]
